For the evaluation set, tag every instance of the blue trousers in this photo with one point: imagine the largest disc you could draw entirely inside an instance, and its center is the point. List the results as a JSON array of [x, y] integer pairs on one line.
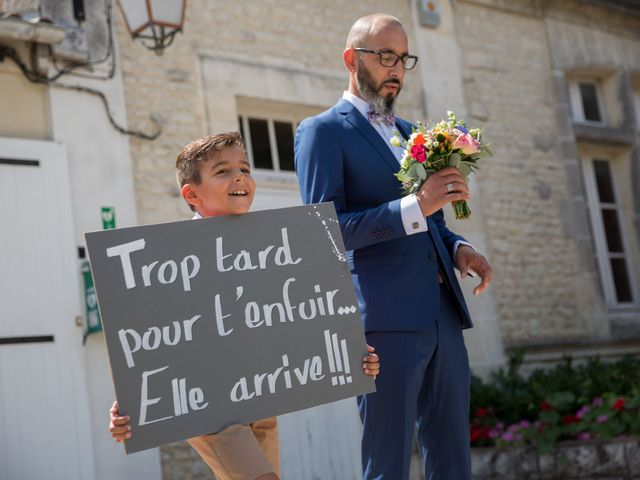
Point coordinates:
[[424, 384]]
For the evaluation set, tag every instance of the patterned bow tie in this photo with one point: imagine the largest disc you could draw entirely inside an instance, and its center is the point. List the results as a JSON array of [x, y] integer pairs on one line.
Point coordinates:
[[387, 119]]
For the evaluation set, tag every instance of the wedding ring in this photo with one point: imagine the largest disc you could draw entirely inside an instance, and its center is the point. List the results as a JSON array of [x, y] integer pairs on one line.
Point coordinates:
[[449, 187]]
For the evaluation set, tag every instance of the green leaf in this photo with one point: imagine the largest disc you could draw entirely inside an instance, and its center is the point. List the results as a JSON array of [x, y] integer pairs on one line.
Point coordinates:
[[465, 169], [454, 160]]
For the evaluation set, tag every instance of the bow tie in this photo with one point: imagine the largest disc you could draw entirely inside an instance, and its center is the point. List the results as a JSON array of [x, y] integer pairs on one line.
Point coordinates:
[[377, 117]]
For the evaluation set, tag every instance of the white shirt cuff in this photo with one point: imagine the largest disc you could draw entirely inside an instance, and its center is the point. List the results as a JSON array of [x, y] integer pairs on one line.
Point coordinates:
[[412, 218], [460, 242]]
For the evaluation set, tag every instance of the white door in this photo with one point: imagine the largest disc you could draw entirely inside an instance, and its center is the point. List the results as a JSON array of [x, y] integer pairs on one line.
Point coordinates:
[[323, 441], [45, 431]]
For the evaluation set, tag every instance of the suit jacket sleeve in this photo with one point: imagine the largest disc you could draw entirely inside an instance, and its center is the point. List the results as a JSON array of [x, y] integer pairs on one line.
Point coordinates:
[[320, 158], [319, 161]]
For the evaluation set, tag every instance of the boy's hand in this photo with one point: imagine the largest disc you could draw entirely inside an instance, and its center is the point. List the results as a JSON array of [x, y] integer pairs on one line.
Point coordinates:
[[371, 363], [119, 426]]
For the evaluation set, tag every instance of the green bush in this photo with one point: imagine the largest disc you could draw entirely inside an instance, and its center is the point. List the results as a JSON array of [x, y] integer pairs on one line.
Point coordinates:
[[592, 399]]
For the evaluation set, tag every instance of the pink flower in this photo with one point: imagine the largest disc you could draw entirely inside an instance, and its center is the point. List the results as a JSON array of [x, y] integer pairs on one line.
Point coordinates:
[[598, 402], [584, 436], [525, 424], [512, 428], [602, 419], [508, 437], [583, 411], [466, 144]]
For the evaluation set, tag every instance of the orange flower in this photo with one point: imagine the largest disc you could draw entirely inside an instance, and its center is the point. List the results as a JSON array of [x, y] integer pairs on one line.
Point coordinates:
[[418, 139]]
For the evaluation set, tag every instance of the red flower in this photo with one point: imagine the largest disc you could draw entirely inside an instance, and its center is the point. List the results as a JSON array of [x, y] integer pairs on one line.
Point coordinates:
[[417, 152], [480, 433], [568, 419], [482, 412], [619, 404], [544, 406]]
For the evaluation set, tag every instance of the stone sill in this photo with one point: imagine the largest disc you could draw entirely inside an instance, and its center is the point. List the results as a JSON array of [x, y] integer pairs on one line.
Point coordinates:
[[618, 459], [619, 136]]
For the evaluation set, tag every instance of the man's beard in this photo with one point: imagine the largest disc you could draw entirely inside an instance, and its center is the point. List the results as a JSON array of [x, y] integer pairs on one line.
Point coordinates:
[[369, 90]]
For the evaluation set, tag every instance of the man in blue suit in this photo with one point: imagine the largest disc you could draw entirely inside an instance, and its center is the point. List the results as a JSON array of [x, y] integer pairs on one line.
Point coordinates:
[[402, 258]]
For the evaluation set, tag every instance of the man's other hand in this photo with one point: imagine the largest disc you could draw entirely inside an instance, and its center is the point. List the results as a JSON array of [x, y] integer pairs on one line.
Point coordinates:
[[468, 259]]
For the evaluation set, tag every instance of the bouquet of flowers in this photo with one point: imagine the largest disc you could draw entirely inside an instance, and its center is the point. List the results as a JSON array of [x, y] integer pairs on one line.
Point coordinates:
[[433, 147]]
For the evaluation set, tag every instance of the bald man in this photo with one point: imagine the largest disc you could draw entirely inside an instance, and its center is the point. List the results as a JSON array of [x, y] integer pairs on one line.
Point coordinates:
[[402, 258]]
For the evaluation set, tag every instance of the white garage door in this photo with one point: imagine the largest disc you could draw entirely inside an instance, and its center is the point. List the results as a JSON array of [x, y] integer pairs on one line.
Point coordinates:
[[44, 411]]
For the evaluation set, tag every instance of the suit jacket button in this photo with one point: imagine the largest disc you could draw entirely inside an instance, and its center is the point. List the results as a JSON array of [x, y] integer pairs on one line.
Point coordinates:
[[433, 256]]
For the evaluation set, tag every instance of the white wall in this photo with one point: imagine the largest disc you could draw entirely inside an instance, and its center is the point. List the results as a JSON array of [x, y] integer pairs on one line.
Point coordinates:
[[101, 175]]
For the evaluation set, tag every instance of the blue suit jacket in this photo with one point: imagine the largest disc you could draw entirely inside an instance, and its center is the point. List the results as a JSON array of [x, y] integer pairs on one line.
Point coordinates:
[[341, 158]]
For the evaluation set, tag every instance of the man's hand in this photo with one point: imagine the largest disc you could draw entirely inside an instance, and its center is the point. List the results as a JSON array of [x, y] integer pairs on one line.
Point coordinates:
[[468, 259], [445, 186]]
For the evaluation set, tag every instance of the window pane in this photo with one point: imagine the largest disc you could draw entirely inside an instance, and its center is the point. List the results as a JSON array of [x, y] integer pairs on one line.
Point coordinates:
[[603, 181], [260, 143], [284, 139], [589, 102], [621, 279], [241, 129], [612, 230]]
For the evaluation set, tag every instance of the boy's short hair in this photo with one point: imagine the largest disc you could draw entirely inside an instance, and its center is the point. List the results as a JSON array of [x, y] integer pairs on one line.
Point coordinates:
[[199, 151], [194, 155]]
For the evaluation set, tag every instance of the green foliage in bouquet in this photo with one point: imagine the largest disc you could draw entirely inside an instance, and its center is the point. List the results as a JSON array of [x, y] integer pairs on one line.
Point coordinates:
[[448, 143]]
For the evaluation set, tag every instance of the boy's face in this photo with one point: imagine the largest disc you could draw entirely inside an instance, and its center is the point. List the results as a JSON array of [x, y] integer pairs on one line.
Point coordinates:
[[226, 186]]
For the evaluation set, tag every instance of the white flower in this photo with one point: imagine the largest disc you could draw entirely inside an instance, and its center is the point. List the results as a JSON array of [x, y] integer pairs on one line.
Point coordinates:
[[395, 141]]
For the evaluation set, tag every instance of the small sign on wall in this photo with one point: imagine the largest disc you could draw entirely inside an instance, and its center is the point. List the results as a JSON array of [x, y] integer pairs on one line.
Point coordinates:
[[227, 320], [90, 301], [108, 218], [428, 13]]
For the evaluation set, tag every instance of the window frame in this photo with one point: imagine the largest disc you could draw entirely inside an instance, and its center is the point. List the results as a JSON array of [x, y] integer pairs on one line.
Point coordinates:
[[575, 97], [275, 158], [603, 255], [636, 103]]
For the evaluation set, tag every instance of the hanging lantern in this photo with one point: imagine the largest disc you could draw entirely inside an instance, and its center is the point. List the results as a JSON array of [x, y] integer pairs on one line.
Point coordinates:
[[154, 22]]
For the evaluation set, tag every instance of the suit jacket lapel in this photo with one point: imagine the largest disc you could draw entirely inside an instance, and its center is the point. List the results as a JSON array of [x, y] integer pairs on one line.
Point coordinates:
[[404, 128], [353, 116]]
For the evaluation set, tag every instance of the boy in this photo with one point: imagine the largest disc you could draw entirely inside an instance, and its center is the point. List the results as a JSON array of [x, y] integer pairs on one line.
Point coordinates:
[[214, 177]]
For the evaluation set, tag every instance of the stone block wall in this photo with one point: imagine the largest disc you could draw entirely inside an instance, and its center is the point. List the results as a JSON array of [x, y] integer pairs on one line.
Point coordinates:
[[545, 274], [618, 459], [170, 88]]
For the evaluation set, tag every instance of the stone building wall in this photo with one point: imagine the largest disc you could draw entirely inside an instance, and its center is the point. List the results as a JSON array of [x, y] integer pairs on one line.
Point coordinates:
[[514, 55], [540, 243], [298, 36]]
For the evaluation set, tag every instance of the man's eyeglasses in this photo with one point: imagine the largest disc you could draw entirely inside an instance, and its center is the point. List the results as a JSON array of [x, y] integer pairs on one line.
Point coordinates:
[[389, 59]]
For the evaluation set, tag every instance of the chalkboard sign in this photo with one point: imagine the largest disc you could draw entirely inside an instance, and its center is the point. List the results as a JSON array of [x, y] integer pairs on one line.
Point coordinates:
[[227, 320]]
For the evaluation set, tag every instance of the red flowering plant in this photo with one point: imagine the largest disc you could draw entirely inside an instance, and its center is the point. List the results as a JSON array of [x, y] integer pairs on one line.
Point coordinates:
[[563, 403], [433, 147]]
